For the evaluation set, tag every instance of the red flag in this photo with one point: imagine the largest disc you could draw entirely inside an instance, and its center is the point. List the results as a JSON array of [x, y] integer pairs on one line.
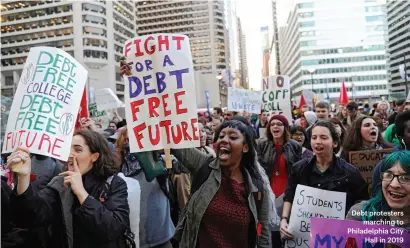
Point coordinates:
[[83, 111], [302, 101], [343, 98]]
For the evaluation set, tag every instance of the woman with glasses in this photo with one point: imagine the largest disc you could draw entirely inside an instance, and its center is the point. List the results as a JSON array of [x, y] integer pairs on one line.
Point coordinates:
[[392, 197], [232, 206], [298, 134], [277, 153]]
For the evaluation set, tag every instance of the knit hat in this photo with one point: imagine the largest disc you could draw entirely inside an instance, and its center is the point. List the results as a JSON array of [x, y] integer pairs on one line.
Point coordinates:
[[310, 117], [280, 118]]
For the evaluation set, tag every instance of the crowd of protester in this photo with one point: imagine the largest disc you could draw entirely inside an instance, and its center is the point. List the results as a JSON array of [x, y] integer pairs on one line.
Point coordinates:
[[223, 193]]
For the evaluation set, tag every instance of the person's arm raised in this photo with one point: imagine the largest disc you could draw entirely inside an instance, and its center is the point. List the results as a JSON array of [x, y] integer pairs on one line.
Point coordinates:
[[191, 158]]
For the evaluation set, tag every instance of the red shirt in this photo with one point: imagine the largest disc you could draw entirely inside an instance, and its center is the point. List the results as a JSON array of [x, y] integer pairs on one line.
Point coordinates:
[[279, 176], [226, 222]]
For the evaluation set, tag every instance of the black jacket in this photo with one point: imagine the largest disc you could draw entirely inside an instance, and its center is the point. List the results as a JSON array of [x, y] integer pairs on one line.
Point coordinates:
[[267, 152], [92, 224], [340, 176]]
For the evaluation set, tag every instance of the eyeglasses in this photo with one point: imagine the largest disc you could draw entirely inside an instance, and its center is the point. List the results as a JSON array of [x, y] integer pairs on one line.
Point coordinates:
[[276, 124], [388, 176]]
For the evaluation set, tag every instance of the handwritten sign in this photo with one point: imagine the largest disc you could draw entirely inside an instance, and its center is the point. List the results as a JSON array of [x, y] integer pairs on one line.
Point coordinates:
[[366, 161], [244, 100], [106, 99], [160, 102], [262, 132], [46, 103], [311, 202], [276, 96], [332, 233]]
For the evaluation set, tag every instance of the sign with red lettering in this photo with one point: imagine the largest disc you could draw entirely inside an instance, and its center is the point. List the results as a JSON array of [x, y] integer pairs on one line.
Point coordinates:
[[46, 104], [160, 103]]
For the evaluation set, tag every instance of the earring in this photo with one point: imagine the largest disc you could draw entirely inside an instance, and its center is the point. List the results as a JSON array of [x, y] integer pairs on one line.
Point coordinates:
[[404, 144]]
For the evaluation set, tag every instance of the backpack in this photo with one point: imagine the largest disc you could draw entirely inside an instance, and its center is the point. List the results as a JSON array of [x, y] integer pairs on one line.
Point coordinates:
[[131, 237], [203, 173]]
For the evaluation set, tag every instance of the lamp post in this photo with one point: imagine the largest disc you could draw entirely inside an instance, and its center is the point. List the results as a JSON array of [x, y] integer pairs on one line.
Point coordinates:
[[311, 72]]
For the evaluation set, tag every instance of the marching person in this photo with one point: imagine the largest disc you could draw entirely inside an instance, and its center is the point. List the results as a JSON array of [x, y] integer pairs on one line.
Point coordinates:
[[277, 154], [393, 195], [323, 171], [364, 134], [298, 134], [72, 202], [233, 203], [341, 130]]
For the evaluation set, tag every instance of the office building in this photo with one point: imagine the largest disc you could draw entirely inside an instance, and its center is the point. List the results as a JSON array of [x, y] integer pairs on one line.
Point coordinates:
[[202, 21], [93, 32], [243, 60], [274, 59], [265, 39], [398, 21], [327, 42]]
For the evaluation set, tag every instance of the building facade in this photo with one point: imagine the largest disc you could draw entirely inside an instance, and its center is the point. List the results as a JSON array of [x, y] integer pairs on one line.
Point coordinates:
[[265, 45], [202, 21], [398, 21], [243, 60], [327, 42], [93, 32], [274, 59]]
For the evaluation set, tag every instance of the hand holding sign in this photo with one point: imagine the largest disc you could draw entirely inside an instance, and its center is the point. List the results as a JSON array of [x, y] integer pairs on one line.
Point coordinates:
[[20, 162]]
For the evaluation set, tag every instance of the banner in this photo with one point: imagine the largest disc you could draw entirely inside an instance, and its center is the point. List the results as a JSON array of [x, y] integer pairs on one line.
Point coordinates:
[[160, 102], [366, 161], [83, 110], [311, 202], [46, 104], [276, 96], [244, 100], [328, 233], [106, 99]]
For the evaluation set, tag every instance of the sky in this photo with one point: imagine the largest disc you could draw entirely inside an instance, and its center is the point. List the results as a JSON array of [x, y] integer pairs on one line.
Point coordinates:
[[254, 15]]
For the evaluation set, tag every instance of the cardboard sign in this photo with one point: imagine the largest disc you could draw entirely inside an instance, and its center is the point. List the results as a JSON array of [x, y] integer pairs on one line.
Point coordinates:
[[276, 96], [92, 108], [311, 202], [106, 99], [366, 161], [244, 100], [160, 103], [346, 233], [46, 103], [262, 132]]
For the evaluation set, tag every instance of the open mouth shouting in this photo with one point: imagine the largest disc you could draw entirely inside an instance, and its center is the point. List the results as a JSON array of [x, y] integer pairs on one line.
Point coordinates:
[[396, 195], [318, 149], [224, 153], [373, 134], [276, 132]]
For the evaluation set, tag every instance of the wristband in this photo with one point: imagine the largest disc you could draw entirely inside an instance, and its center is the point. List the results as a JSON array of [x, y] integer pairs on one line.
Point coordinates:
[[285, 218]]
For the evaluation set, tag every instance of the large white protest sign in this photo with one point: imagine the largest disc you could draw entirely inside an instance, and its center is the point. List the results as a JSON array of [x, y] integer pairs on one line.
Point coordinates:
[[276, 96], [106, 99], [160, 103], [312, 202], [244, 100], [46, 104]]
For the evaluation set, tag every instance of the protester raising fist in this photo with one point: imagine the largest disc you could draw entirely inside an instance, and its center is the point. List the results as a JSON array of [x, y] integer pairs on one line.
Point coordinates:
[[125, 69]]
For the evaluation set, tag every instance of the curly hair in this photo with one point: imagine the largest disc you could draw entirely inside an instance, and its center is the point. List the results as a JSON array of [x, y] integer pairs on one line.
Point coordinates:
[[378, 202], [354, 139], [120, 144], [107, 163]]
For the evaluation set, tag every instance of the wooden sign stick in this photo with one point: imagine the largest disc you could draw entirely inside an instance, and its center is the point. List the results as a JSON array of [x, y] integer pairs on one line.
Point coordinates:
[[168, 161]]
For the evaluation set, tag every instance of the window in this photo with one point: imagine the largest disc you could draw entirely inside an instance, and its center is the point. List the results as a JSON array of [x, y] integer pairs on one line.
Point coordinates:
[[373, 8], [374, 18], [305, 5], [9, 81], [307, 24]]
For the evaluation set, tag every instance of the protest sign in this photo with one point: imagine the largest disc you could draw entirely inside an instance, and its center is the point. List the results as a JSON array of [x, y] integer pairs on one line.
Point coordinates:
[[366, 161], [311, 202], [106, 99], [276, 96], [160, 103], [92, 108], [330, 233], [244, 100], [46, 104], [262, 132]]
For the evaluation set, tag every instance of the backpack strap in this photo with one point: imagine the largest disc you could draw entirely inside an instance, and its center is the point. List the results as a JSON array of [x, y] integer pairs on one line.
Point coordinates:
[[103, 197], [201, 175], [258, 196]]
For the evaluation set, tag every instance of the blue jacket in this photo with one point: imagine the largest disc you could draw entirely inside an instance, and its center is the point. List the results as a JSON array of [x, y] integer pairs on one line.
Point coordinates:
[[376, 181]]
